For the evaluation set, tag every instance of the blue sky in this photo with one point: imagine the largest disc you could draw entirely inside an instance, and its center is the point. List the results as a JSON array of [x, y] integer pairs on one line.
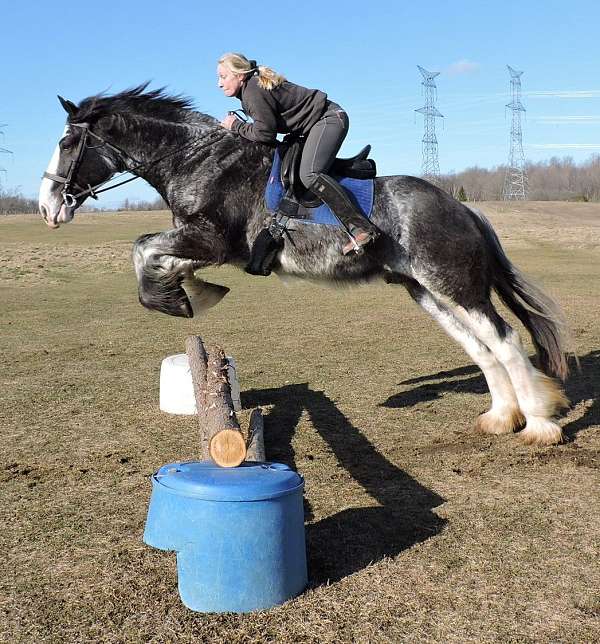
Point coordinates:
[[364, 55]]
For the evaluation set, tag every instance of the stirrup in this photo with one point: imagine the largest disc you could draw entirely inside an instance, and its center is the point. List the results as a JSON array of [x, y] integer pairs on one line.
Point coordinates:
[[356, 244]]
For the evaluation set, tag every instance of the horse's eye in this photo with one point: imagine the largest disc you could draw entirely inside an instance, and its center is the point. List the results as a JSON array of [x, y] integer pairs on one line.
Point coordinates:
[[66, 144]]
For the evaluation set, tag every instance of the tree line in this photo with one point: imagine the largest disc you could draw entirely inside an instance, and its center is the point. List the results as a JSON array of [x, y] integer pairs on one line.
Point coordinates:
[[558, 179], [12, 202]]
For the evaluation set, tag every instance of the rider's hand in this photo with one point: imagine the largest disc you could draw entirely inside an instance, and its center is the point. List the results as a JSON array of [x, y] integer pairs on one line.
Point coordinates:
[[228, 121]]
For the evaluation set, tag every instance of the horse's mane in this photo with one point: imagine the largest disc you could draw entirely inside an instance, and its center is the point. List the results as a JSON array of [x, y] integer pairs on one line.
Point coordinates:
[[155, 103]]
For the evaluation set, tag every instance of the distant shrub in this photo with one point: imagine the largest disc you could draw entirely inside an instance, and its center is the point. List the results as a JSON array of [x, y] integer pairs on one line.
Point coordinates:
[[156, 204], [14, 203]]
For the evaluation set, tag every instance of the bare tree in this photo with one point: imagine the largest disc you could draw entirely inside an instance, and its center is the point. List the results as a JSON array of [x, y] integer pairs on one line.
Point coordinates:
[[14, 203], [156, 204], [556, 179]]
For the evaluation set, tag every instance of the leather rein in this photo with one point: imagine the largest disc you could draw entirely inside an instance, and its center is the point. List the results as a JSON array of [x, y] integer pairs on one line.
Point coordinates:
[[70, 199]]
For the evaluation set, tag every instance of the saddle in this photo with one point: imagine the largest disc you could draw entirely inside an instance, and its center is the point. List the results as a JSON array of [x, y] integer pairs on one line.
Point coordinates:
[[290, 151], [287, 198]]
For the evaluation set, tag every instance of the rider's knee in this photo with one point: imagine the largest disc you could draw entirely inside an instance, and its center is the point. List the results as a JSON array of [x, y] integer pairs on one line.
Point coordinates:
[[307, 177]]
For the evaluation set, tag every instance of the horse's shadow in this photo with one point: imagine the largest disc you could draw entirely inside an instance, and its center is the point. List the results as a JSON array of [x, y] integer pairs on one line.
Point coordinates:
[[353, 538], [581, 386]]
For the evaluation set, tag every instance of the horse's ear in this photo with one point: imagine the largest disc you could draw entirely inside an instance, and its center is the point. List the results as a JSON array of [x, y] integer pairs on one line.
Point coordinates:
[[69, 107]]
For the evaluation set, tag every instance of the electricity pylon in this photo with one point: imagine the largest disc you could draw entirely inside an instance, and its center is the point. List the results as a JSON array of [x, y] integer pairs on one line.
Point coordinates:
[[430, 169], [515, 180], [3, 150]]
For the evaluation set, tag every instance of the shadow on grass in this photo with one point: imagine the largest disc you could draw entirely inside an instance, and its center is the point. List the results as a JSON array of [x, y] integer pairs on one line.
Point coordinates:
[[466, 380], [353, 538], [582, 385]]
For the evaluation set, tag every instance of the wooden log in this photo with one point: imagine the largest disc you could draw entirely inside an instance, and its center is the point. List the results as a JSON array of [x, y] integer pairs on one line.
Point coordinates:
[[196, 353], [256, 445], [220, 435], [226, 446]]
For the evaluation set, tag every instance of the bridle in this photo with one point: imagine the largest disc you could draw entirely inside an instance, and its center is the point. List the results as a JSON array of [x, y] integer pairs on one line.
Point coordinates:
[[68, 198], [131, 165]]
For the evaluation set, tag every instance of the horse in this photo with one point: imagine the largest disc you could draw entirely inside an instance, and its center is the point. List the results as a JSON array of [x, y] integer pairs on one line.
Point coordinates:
[[445, 254]]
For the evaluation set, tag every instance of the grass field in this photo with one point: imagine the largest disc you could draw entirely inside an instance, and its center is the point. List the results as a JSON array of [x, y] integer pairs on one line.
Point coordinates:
[[417, 529]]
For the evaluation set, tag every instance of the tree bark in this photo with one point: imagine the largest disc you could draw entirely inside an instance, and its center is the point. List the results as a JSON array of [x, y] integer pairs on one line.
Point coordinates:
[[256, 447], [196, 353], [220, 435]]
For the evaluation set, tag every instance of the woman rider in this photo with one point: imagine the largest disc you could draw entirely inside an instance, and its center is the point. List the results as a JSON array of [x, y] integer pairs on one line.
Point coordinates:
[[278, 106]]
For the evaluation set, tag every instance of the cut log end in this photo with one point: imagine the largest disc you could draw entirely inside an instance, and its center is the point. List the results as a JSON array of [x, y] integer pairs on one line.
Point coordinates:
[[227, 448]]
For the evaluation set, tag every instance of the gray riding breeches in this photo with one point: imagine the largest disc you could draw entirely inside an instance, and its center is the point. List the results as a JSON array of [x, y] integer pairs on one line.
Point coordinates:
[[323, 142]]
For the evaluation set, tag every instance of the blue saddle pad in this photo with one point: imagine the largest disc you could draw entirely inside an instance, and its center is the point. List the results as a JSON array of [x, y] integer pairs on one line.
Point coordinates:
[[361, 189]]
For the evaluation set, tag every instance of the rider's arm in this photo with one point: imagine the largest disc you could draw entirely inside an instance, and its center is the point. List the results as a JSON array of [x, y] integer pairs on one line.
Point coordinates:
[[261, 106]]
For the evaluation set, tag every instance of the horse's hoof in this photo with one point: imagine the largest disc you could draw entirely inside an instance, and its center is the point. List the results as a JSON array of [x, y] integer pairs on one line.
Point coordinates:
[[203, 295], [499, 422], [541, 431]]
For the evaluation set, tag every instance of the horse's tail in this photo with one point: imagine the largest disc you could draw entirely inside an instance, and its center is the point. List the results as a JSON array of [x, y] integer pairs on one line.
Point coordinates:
[[540, 315]]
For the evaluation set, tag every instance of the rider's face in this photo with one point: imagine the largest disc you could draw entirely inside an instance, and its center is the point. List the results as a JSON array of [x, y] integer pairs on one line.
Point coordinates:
[[228, 81]]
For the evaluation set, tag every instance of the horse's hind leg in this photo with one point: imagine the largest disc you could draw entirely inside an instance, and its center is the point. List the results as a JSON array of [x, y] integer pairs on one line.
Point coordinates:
[[504, 415], [539, 396]]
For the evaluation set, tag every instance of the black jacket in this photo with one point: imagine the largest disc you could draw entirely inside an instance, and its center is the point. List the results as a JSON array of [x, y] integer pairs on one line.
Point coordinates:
[[285, 108]]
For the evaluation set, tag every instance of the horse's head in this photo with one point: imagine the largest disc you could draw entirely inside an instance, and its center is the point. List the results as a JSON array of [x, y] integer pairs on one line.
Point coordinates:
[[81, 160]]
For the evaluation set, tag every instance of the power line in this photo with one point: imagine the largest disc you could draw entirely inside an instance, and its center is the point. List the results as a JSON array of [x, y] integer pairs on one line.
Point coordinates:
[[515, 180], [430, 168]]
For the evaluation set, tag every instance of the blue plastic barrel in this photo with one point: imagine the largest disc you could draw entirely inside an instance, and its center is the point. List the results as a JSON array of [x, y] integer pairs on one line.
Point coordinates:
[[238, 533]]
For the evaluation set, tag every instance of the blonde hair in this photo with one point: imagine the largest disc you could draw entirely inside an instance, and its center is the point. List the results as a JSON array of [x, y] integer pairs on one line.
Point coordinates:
[[238, 64]]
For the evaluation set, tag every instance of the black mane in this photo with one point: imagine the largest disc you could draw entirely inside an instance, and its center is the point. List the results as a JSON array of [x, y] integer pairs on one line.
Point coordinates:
[[136, 100]]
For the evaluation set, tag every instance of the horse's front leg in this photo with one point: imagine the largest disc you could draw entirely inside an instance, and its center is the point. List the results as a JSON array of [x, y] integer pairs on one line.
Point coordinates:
[[165, 264]]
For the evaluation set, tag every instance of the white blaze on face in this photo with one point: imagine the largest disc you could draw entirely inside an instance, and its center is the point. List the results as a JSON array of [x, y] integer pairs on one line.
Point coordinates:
[[50, 199]]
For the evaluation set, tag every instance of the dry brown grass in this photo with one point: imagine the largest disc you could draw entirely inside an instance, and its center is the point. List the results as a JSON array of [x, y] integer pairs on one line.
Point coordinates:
[[419, 530]]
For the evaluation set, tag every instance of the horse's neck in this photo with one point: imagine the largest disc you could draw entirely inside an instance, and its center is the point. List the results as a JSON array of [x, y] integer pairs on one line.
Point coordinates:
[[153, 148], [199, 155]]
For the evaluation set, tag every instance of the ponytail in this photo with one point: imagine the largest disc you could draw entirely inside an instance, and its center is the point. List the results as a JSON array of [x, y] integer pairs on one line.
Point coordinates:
[[267, 78]]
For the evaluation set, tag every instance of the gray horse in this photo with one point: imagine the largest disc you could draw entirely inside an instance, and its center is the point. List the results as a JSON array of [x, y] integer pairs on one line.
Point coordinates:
[[446, 255]]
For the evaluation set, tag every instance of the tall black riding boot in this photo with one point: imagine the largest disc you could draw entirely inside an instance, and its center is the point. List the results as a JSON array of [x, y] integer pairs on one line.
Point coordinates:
[[361, 230]]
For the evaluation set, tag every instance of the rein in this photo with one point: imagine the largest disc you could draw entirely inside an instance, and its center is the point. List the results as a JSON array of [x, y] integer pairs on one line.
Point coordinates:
[[70, 200]]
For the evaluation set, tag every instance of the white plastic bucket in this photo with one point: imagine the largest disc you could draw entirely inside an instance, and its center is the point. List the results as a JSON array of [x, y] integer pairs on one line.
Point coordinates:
[[177, 389]]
